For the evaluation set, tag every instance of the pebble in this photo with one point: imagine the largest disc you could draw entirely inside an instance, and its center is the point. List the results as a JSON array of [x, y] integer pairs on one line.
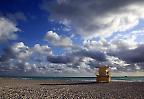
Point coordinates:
[[33, 90]]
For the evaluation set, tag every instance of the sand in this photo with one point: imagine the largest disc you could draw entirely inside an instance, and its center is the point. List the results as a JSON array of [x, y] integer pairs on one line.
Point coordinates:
[[62, 89]]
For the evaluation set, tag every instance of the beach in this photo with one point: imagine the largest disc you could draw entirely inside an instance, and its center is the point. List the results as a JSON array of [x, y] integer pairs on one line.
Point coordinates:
[[67, 89]]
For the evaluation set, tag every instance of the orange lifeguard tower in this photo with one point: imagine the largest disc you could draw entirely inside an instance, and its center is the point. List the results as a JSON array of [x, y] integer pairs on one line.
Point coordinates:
[[103, 74]]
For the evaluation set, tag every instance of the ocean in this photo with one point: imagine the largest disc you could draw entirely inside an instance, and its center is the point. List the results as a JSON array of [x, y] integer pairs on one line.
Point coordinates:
[[127, 78]]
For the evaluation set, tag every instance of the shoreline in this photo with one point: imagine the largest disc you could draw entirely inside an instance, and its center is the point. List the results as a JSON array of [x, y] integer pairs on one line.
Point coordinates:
[[62, 89], [121, 79]]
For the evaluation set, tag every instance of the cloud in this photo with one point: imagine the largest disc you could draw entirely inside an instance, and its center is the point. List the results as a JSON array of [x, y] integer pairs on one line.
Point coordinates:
[[19, 57], [124, 44], [15, 57], [39, 59], [21, 51], [117, 43], [132, 55], [42, 49], [76, 56], [14, 17], [100, 18], [60, 59], [121, 52], [115, 62], [97, 55], [79, 60], [57, 40], [96, 17], [7, 30]]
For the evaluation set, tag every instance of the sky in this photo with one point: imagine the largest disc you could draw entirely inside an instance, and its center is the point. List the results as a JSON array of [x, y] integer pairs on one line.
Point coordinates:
[[71, 37]]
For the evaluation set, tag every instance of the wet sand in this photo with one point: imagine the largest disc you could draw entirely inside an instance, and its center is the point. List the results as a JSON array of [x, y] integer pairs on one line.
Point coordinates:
[[62, 89]]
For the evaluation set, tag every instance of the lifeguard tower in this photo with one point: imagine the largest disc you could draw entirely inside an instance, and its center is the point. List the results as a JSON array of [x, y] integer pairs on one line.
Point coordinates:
[[103, 74]]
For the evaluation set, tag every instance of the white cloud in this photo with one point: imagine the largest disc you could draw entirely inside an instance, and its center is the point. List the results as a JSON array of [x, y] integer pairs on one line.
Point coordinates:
[[7, 30], [115, 62], [42, 49], [57, 40], [116, 43], [101, 45], [21, 51], [123, 44]]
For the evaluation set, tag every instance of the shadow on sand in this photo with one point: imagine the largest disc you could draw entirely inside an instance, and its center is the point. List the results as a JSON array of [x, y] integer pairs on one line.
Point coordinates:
[[73, 83]]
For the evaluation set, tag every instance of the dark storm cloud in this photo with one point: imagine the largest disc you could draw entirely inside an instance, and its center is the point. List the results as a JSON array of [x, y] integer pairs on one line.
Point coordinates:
[[91, 17], [97, 55], [132, 55], [60, 59], [69, 7]]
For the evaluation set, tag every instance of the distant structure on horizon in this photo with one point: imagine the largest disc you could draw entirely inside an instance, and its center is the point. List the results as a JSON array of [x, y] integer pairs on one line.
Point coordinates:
[[103, 74]]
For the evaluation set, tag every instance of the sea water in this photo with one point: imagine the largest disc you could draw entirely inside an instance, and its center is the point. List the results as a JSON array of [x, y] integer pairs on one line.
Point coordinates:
[[125, 78]]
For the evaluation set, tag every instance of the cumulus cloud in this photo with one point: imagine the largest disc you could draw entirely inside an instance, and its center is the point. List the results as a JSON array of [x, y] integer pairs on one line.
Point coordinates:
[[39, 59], [42, 49], [7, 30], [101, 18], [21, 51], [58, 40], [114, 44], [116, 53], [20, 57], [15, 57], [121, 53], [77, 56], [89, 19], [79, 60], [94, 17], [115, 62]]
